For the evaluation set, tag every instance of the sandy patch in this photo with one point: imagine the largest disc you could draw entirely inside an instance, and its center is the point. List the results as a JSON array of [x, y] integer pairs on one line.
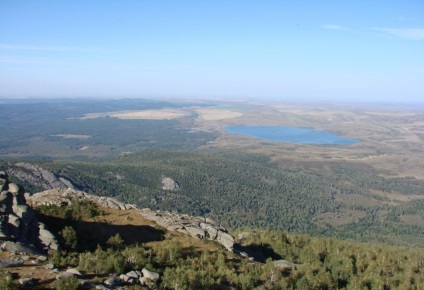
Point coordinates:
[[217, 114], [162, 114], [72, 136]]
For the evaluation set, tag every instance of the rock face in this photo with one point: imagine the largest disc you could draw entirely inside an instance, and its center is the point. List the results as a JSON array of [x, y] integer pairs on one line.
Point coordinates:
[[169, 184], [18, 223], [37, 176]]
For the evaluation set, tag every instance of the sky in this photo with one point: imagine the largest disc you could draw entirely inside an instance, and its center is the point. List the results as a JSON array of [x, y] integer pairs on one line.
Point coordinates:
[[288, 50]]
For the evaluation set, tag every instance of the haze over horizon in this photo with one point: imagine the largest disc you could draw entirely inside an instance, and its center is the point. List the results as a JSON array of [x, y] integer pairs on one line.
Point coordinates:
[[304, 50]]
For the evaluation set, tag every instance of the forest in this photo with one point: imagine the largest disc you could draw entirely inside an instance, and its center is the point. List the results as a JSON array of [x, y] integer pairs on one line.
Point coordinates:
[[241, 190]]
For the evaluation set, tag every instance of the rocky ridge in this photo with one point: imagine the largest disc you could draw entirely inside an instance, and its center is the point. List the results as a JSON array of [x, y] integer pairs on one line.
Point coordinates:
[[198, 227], [37, 176]]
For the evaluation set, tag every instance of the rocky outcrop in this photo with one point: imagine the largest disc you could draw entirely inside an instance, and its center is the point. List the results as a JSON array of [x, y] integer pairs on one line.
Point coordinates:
[[169, 184], [18, 223], [62, 197], [198, 227], [285, 265], [37, 176]]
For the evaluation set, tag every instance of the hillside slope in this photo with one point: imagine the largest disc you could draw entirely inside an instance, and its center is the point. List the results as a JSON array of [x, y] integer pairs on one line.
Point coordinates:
[[240, 190], [108, 244]]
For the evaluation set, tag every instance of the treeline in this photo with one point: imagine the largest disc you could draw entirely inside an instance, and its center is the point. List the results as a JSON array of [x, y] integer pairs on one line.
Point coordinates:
[[247, 190]]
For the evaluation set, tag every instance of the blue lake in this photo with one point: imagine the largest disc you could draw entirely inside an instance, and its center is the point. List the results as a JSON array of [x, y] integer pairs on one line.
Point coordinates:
[[290, 134]]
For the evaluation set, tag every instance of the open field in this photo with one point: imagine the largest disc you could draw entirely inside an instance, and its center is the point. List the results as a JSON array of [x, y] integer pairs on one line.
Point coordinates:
[[162, 114]]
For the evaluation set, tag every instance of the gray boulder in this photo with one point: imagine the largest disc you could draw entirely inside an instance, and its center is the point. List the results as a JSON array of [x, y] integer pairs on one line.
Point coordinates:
[[169, 184], [152, 276], [26, 282], [285, 265], [113, 281], [74, 272]]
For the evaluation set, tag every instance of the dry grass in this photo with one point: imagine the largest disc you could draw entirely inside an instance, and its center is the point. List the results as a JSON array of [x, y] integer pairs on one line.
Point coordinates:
[[162, 114], [213, 114]]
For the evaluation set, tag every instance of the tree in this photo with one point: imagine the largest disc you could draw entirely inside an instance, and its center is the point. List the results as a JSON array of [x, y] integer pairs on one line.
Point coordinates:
[[116, 242], [69, 238]]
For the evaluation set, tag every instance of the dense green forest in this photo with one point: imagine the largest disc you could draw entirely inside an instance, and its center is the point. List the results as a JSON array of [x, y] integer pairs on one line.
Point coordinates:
[[249, 190]]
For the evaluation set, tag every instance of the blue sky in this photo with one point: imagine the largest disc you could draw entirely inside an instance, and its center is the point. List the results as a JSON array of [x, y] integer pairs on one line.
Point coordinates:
[[289, 50]]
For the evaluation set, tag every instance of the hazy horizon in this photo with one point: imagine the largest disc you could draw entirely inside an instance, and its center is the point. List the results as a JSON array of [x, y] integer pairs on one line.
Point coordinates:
[[301, 51]]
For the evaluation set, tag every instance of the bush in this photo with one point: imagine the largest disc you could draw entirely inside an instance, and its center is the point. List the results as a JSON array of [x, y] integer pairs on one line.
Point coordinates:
[[68, 283], [69, 238], [6, 281], [77, 210], [116, 242], [102, 262]]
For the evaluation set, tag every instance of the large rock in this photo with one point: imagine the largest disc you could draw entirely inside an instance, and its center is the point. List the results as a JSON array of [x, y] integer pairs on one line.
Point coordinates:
[[18, 223], [169, 184], [152, 276]]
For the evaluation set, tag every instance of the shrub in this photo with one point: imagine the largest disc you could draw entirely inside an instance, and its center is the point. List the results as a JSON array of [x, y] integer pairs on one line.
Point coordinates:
[[69, 238], [6, 281], [68, 283]]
